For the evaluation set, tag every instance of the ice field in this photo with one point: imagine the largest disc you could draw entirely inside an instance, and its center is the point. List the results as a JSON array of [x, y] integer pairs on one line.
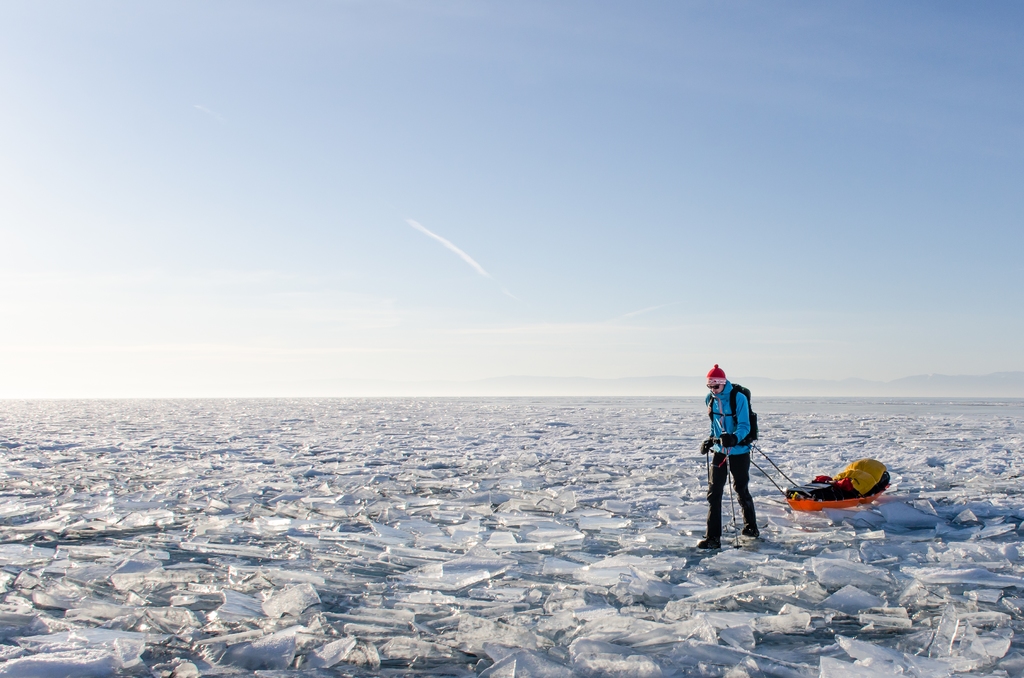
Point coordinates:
[[501, 538]]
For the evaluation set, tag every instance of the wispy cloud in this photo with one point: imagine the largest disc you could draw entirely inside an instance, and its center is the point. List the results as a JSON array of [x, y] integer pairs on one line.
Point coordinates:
[[204, 109], [454, 248]]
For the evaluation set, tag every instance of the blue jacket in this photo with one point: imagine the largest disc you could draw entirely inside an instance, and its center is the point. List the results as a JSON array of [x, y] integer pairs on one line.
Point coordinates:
[[722, 420]]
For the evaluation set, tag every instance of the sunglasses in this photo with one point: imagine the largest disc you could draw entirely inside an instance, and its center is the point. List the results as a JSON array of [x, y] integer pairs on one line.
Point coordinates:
[[715, 387]]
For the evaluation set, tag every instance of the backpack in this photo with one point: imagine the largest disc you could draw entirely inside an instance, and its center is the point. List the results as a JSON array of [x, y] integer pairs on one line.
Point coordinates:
[[752, 436]]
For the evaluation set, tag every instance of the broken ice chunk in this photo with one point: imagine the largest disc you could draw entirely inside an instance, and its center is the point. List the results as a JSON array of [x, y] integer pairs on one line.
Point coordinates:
[[606, 522], [720, 592], [330, 654], [553, 533], [851, 600], [124, 646], [885, 619], [60, 597], [993, 531], [131, 573], [238, 606], [526, 664], [24, 556], [861, 518], [479, 564], [172, 619], [385, 535], [887, 661], [474, 632], [594, 658], [85, 663], [639, 585], [506, 542], [741, 637], [1014, 604], [791, 620], [136, 519], [945, 632], [13, 625], [973, 575], [275, 651], [985, 595], [293, 601], [834, 668], [734, 561], [609, 571], [410, 649], [966, 517], [837, 572], [554, 566], [498, 539], [995, 644], [897, 513], [631, 631], [508, 594]]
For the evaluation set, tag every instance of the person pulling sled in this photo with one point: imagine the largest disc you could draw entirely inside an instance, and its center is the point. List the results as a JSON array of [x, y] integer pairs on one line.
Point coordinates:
[[731, 435]]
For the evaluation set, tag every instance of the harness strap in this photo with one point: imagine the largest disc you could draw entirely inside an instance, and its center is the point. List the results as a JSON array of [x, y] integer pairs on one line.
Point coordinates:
[[721, 424]]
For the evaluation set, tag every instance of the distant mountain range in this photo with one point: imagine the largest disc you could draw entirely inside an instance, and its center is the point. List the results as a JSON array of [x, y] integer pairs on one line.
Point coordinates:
[[996, 385]]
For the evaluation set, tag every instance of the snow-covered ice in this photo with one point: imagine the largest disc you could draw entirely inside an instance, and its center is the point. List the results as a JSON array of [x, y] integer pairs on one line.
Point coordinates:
[[499, 537]]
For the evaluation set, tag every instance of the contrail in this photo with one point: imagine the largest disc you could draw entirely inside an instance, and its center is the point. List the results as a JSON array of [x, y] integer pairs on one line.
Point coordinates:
[[646, 310], [206, 110], [465, 257], [450, 245]]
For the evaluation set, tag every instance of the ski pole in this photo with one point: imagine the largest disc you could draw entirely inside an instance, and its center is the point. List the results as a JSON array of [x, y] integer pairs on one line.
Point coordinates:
[[732, 504]]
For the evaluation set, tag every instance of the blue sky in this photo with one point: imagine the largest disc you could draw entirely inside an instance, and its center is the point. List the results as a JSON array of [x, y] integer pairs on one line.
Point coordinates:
[[215, 198]]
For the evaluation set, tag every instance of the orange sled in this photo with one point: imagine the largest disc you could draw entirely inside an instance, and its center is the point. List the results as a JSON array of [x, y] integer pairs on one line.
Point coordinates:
[[806, 504]]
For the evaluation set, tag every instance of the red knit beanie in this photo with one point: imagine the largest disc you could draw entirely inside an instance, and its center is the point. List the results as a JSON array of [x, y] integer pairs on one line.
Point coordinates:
[[716, 375]]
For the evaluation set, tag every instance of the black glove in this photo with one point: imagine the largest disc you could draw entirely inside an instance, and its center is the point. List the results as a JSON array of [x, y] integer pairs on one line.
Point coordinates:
[[729, 440], [707, 445]]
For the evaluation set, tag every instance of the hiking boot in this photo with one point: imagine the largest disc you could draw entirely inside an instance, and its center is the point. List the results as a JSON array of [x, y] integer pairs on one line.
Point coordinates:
[[709, 543], [750, 531]]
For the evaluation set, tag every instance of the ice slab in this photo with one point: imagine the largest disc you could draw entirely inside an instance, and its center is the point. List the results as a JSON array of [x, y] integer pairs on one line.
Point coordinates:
[[239, 606], [127, 645], [885, 619], [985, 595], [331, 653], [474, 632], [834, 668], [591, 662], [857, 518], [275, 651], [834, 572], [292, 601], [851, 600], [86, 663], [898, 514], [791, 621], [526, 664], [971, 575], [741, 637], [13, 624], [415, 650]]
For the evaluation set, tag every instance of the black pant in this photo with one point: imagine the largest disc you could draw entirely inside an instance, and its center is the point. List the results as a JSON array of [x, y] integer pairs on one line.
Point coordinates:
[[739, 466]]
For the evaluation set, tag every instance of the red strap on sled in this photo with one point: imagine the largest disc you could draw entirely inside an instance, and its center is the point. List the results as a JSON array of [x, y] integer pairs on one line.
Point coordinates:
[[846, 485]]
